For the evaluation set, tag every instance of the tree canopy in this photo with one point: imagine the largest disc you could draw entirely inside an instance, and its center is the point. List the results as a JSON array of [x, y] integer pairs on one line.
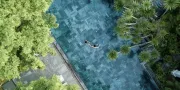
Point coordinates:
[[144, 56], [140, 21], [156, 28], [112, 55], [46, 84], [24, 33], [125, 49]]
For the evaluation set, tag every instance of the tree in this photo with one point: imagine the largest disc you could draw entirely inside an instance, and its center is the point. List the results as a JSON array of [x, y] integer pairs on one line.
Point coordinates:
[[166, 88], [112, 55], [153, 28], [154, 54], [135, 6], [136, 39], [118, 4], [125, 49], [46, 84], [144, 56], [128, 14], [147, 4], [171, 4], [24, 32]]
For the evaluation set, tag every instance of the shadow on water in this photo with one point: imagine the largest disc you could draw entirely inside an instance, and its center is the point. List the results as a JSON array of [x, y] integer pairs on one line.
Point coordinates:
[[131, 54], [146, 81], [109, 2]]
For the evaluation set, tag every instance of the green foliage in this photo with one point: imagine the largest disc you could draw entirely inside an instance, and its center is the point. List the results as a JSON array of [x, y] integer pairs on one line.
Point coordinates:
[[118, 4], [46, 84], [177, 87], [154, 54], [24, 32], [147, 4], [137, 40], [125, 49], [128, 14], [143, 25], [123, 32], [112, 55], [171, 4], [166, 88], [168, 59], [155, 41], [144, 56], [169, 83], [159, 73], [162, 32], [135, 6]]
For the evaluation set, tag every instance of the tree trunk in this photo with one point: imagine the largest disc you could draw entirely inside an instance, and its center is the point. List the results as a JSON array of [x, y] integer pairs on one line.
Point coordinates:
[[130, 24], [141, 44], [134, 17], [131, 27], [164, 13]]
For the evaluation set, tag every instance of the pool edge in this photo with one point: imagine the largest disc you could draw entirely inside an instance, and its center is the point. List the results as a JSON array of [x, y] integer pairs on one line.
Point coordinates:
[[75, 75]]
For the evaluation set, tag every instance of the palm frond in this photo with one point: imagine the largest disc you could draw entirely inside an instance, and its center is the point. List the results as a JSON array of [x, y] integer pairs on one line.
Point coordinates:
[[125, 49], [171, 4], [112, 55], [144, 56], [147, 4], [154, 54]]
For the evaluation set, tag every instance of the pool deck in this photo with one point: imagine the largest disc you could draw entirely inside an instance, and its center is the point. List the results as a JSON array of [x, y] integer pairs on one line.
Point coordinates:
[[65, 68], [55, 65]]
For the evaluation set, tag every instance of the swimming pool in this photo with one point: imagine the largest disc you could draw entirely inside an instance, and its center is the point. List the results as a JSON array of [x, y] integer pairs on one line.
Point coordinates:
[[94, 21]]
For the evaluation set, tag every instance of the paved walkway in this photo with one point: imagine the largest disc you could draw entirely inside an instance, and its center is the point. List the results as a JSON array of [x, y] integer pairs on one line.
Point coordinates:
[[55, 65]]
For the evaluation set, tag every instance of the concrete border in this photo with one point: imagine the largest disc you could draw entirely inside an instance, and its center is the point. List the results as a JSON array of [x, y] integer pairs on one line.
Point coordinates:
[[151, 74], [75, 75]]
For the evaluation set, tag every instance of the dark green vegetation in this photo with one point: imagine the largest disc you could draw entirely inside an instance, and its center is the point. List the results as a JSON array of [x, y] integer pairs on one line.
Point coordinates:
[[46, 84], [158, 35], [24, 32], [112, 54], [24, 37]]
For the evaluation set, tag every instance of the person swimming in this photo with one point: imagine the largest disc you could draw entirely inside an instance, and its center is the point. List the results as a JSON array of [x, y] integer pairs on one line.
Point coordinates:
[[86, 41], [93, 46]]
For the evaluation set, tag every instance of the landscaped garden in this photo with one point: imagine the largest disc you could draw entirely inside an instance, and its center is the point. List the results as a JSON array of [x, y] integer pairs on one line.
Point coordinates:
[[155, 28], [24, 37]]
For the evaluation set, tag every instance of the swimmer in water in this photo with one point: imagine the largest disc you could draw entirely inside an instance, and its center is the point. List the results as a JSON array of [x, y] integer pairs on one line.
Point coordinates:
[[93, 46]]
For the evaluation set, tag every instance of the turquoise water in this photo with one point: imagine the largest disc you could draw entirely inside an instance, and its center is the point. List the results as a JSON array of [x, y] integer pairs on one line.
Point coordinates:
[[94, 21]]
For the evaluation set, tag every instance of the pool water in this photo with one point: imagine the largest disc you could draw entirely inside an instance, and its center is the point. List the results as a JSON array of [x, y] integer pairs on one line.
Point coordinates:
[[94, 21]]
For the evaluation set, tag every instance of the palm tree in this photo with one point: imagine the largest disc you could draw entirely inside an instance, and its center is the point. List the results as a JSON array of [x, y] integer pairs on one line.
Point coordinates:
[[144, 56], [143, 24], [135, 6], [154, 54], [136, 39], [125, 36], [147, 13], [123, 32], [155, 41], [112, 55], [147, 4], [161, 33], [118, 4], [128, 15], [125, 49], [171, 4]]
